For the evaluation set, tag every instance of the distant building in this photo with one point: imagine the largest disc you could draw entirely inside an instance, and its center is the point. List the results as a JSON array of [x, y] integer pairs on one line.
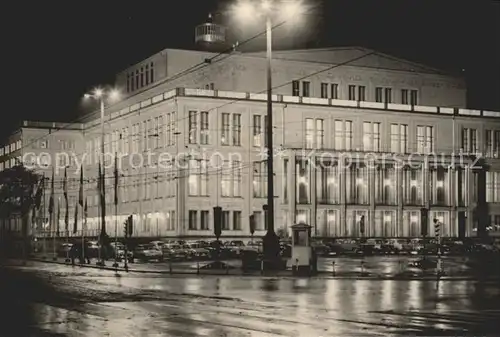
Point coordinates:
[[327, 109]]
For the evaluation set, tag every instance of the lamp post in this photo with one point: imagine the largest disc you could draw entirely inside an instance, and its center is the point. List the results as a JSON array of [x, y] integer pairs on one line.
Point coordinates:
[[245, 10], [101, 96]]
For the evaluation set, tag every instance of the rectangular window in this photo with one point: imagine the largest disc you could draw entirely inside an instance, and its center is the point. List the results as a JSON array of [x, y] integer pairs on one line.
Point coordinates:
[[399, 138], [225, 129], [334, 91], [225, 225], [237, 220], [414, 97], [161, 127], [320, 133], [378, 95], [343, 135], [404, 96], [306, 89], [204, 131], [361, 93], [236, 129], [388, 95], [259, 174], [488, 143], [231, 179], [352, 92], [309, 133], [425, 142], [371, 136], [324, 90], [193, 127], [257, 130], [295, 88], [493, 187], [198, 178], [303, 181], [327, 183], [204, 220], [193, 220], [469, 140]]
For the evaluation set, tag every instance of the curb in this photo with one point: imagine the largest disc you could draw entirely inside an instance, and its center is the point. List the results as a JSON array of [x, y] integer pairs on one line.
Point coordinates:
[[320, 275]]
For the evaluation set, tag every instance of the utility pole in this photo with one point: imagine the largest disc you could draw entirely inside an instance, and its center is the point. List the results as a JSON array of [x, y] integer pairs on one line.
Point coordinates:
[[270, 240]]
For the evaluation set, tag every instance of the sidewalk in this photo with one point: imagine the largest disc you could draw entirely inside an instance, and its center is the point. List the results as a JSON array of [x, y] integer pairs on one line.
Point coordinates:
[[194, 268]]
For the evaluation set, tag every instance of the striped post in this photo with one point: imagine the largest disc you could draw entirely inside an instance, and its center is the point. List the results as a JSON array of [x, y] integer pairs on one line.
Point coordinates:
[[437, 231]]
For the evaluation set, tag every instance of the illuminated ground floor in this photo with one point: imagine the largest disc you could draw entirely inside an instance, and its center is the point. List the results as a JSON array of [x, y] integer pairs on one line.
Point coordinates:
[[331, 221]]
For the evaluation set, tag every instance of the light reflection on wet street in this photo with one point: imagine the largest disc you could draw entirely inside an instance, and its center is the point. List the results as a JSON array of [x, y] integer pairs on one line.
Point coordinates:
[[141, 304]]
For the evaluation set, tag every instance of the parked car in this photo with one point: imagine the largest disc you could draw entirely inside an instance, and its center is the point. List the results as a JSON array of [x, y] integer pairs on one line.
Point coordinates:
[[157, 244], [64, 249], [148, 253], [118, 251], [320, 248], [235, 247], [194, 251], [255, 246], [174, 252], [92, 249], [347, 246]]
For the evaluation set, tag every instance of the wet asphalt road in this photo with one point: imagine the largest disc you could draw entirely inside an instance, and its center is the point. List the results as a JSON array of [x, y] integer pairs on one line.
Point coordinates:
[[61, 300]]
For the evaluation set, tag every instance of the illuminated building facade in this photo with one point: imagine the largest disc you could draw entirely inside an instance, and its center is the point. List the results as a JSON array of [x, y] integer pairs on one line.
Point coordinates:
[[374, 137]]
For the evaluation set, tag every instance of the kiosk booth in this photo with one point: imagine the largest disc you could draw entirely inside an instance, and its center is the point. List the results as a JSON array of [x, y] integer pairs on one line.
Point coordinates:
[[303, 259]]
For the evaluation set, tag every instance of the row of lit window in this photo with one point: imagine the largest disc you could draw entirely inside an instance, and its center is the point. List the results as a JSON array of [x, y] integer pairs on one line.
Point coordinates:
[[355, 92], [11, 148], [141, 77], [357, 188], [343, 136]]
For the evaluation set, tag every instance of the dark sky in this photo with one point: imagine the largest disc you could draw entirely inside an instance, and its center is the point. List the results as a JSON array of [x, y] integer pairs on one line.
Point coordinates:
[[54, 51]]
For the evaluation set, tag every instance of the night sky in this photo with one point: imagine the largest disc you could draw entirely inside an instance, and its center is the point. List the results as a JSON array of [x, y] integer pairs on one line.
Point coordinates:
[[55, 51]]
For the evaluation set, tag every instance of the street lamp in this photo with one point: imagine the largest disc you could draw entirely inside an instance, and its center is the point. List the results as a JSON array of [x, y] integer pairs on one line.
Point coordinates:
[[103, 95], [284, 10]]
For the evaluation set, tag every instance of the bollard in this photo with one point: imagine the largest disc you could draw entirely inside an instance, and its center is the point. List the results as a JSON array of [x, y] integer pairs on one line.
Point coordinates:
[[198, 268], [261, 267], [333, 267]]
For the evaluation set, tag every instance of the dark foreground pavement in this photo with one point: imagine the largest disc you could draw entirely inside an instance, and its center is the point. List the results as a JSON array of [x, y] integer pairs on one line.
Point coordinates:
[[46, 299]]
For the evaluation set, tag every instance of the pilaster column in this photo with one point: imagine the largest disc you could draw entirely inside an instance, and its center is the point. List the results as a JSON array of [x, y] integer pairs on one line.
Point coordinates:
[[312, 170], [400, 200], [342, 177], [452, 200], [469, 222], [292, 181], [181, 196], [372, 175]]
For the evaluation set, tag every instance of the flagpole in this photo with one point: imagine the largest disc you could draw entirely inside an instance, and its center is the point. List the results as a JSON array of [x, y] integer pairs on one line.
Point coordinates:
[[44, 244], [66, 213], [54, 257], [83, 233], [81, 203], [116, 210]]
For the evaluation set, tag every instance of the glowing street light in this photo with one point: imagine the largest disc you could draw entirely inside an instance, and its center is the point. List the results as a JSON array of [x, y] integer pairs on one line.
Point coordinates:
[[245, 11], [102, 95]]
